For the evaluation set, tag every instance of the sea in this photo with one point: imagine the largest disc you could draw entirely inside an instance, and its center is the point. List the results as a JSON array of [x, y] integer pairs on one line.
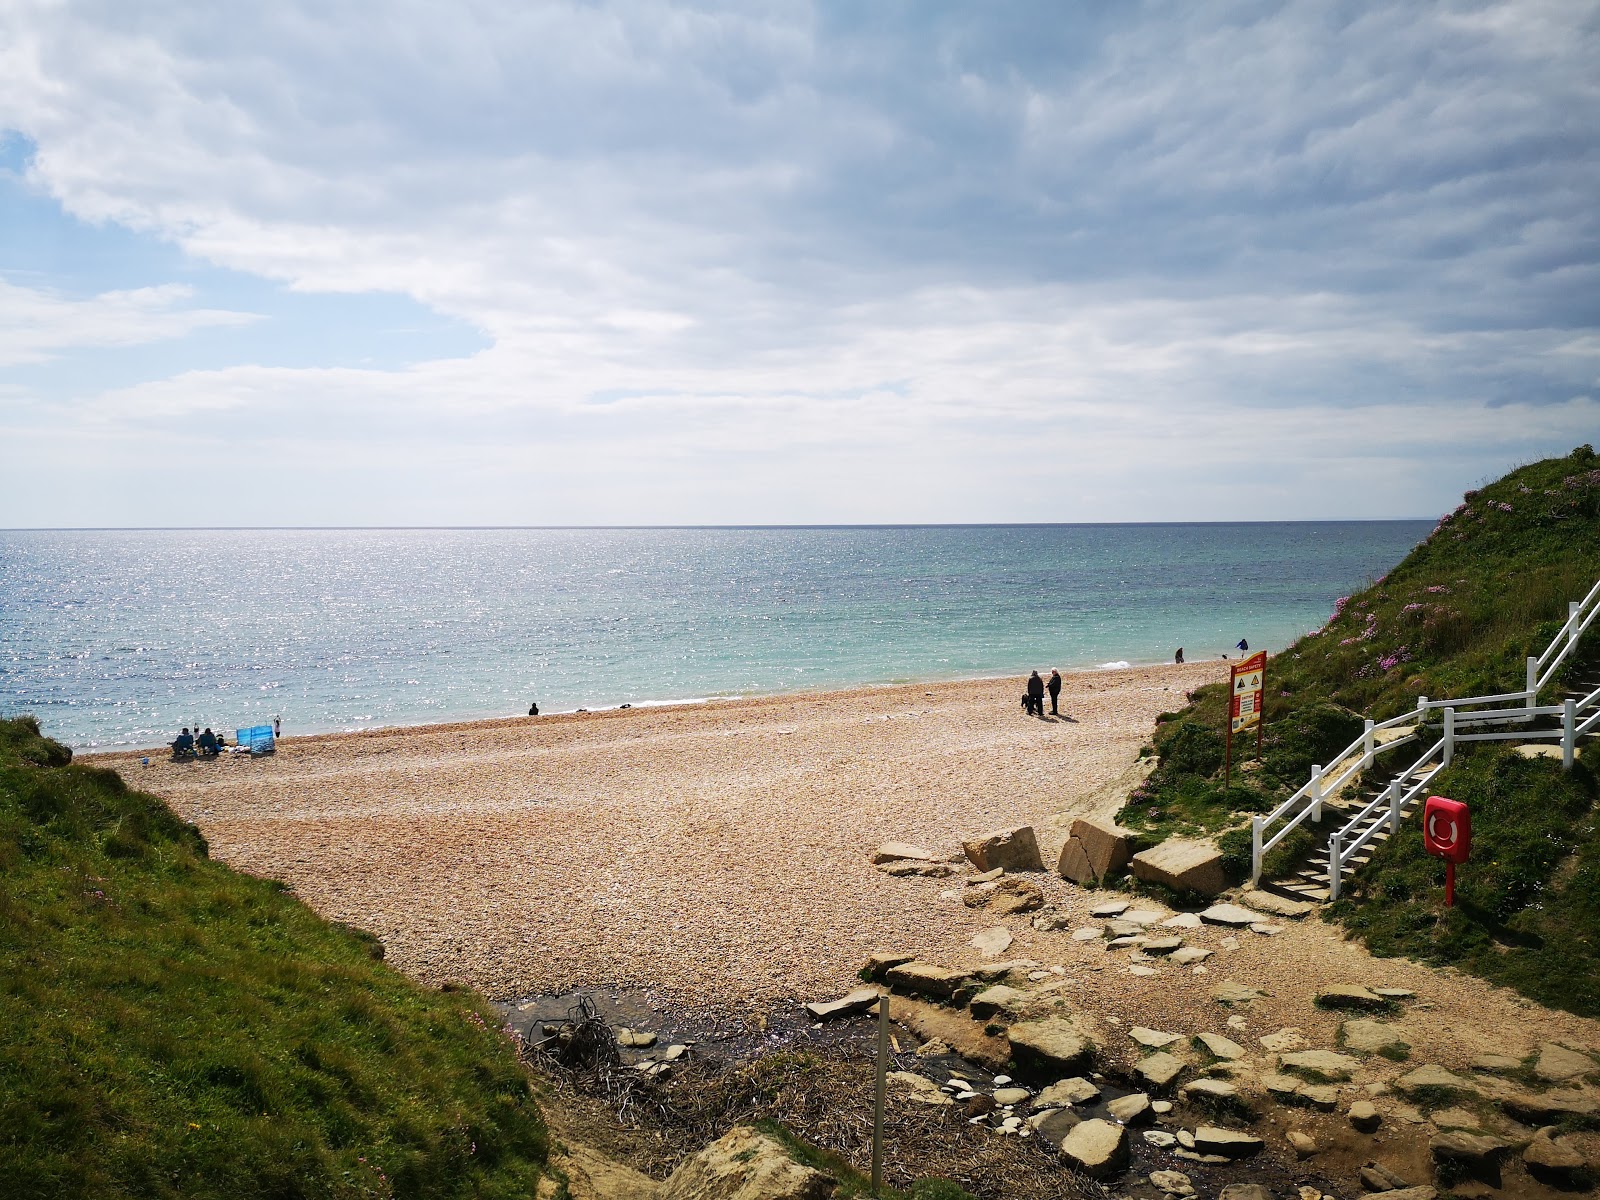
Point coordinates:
[[116, 638]]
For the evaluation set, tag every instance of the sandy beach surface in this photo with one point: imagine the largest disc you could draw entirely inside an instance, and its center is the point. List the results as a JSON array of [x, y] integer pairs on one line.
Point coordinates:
[[718, 855]]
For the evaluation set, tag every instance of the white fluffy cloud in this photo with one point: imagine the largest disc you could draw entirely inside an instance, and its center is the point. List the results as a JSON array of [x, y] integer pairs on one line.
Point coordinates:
[[795, 262]]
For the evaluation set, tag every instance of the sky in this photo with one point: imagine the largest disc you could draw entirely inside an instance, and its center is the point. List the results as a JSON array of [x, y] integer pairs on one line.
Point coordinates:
[[500, 262]]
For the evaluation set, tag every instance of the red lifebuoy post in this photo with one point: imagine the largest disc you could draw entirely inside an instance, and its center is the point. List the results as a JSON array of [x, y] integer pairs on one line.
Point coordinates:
[[1447, 834]]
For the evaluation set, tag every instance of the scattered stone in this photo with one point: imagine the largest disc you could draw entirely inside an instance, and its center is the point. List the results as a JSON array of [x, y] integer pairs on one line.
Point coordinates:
[[1303, 1144], [1052, 1044], [1431, 1075], [991, 971], [1363, 1115], [1472, 1149], [858, 1001], [1425, 1191], [1109, 908], [1095, 849], [1229, 1143], [1189, 955], [1173, 1183], [937, 1048], [927, 979], [1549, 1107], [1192, 1156], [1557, 1064], [1237, 1023], [745, 1162], [674, 1053], [1366, 1036], [881, 962], [1496, 1064], [1159, 1070], [1324, 1065], [639, 1039], [1220, 1047], [1376, 1177], [1130, 1109], [1186, 1139], [1266, 930], [1076, 1090], [1229, 943], [1011, 849], [1350, 995], [992, 942], [1183, 865], [1009, 1096], [1055, 1125], [1097, 1148], [1120, 929], [900, 869], [1321, 1096], [900, 852], [985, 876], [1278, 906], [1393, 993], [1553, 1161], [908, 1085], [1285, 1089], [1163, 945], [1088, 933], [1230, 914], [1015, 896], [1244, 1191], [1011, 1124], [1142, 972], [1283, 1040], [1144, 916], [1456, 1118], [1234, 993], [1160, 1137], [1209, 1090], [999, 1080], [1122, 943], [1153, 1039], [1161, 1107], [996, 999]]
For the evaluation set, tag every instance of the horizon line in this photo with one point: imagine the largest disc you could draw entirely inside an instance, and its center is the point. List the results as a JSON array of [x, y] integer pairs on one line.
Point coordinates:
[[798, 525]]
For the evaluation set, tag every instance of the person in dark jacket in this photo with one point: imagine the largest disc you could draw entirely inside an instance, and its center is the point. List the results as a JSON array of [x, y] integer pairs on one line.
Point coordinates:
[[1054, 688], [1035, 694]]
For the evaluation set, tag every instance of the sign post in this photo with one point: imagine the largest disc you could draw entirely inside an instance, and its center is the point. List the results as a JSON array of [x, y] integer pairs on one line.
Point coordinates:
[[1447, 834], [1246, 680]]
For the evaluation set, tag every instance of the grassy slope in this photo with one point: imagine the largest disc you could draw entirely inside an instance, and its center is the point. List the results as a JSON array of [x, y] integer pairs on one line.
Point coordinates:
[[1458, 616], [169, 1027]]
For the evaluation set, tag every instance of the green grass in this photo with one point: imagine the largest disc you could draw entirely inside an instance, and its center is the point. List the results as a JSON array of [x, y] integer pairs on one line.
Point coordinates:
[[171, 1028]]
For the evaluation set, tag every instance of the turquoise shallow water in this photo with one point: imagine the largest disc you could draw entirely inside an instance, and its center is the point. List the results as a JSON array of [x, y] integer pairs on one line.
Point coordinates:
[[116, 638]]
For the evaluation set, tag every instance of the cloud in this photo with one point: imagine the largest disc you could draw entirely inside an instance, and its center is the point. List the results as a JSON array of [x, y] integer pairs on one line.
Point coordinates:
[[37, 326], [812, 234]]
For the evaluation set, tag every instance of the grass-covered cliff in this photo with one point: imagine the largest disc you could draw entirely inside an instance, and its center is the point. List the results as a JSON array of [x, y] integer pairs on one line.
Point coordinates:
[[170, 1027], [1458, 616]]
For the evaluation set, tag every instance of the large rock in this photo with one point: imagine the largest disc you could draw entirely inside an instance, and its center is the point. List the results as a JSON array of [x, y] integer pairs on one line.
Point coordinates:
[[1470, 1148], [1548, 1107], [1278, 906], [1230, 914], [1371, 1037], [1012, 849], [992, 943], [891, 852], [1229, 1143], [1431, 1075], [1557, 1064], [1350, 995], [1131, 1109], [1095, 849], [1552, 1161], [928, 979], [858, 1001], [1220, 1047], [589, 1175], [1159, 1070], [1052, 1045], [1325, 1065], [1097, 1148], [745, 1164], [1016, 896], [1183, 865], [1076, 1090], [996, 999]]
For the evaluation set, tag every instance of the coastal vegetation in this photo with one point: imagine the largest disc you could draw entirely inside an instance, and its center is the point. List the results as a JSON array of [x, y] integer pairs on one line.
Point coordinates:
[[1458, 616], [171, 1027]]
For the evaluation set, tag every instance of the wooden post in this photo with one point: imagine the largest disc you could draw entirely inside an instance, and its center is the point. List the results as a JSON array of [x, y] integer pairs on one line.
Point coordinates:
[[877, 1104]]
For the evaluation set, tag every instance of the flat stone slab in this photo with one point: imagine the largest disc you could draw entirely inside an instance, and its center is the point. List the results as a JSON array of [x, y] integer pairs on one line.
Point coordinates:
[[1013, 849], [1144, 916], [1234, 993], [1130, 1109], [1051, 1044], [1230, 914], [998, 998], [1184, 865], [900, 852], [1097, 1148], [1431, 1075], [858, 1001], [1548, 1108], [1160, 1069], [1470, 1148], [1183, 921], [1109, 908], [1496, 1064], [1187, 956], [1067, 1092], [1366, 1036], [1209, 1089], [1283, 1040], [1220, 1047], [1350, 995], [1120, 928], [928, 979], [1162, 945], [1326, 1065], [1278, 906], [992, 942], [1229, 1143], [1155, 1039], [1088, 933], [1557, 1064], [908, 1085]]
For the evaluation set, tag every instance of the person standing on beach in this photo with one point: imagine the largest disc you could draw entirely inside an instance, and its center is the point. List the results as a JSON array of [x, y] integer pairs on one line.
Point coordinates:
[[1035, 695], [1178, 657], [1054, 688]]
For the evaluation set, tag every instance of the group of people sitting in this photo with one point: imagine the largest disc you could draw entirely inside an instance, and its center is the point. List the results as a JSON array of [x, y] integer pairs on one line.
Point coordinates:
[[207, 745]]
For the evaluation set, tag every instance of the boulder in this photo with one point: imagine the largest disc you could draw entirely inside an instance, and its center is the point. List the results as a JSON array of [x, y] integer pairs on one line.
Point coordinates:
[[1052, 1045], [996, 999], [891, 852], [1324, 1065], [1012, 849], [1159, 1070], [1303, 1144], [1183, 865], [1552, 1161], [927, 979], [992, 942], [1131, 1109], [1470, 1149], [1074, 863], [1009, 1097], [1220, 1047], [1229, 1143], [744, 1164], [858, 1001], [1278, 906], [881, 962], [1105, 848], [908, 1085], [1363, 1115], [1172, 1183], [1097, 1148], [1016, 896], [1076, 1090], [1557, 1064], [1366, 1036], [1229, 914], [1350, 995]]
